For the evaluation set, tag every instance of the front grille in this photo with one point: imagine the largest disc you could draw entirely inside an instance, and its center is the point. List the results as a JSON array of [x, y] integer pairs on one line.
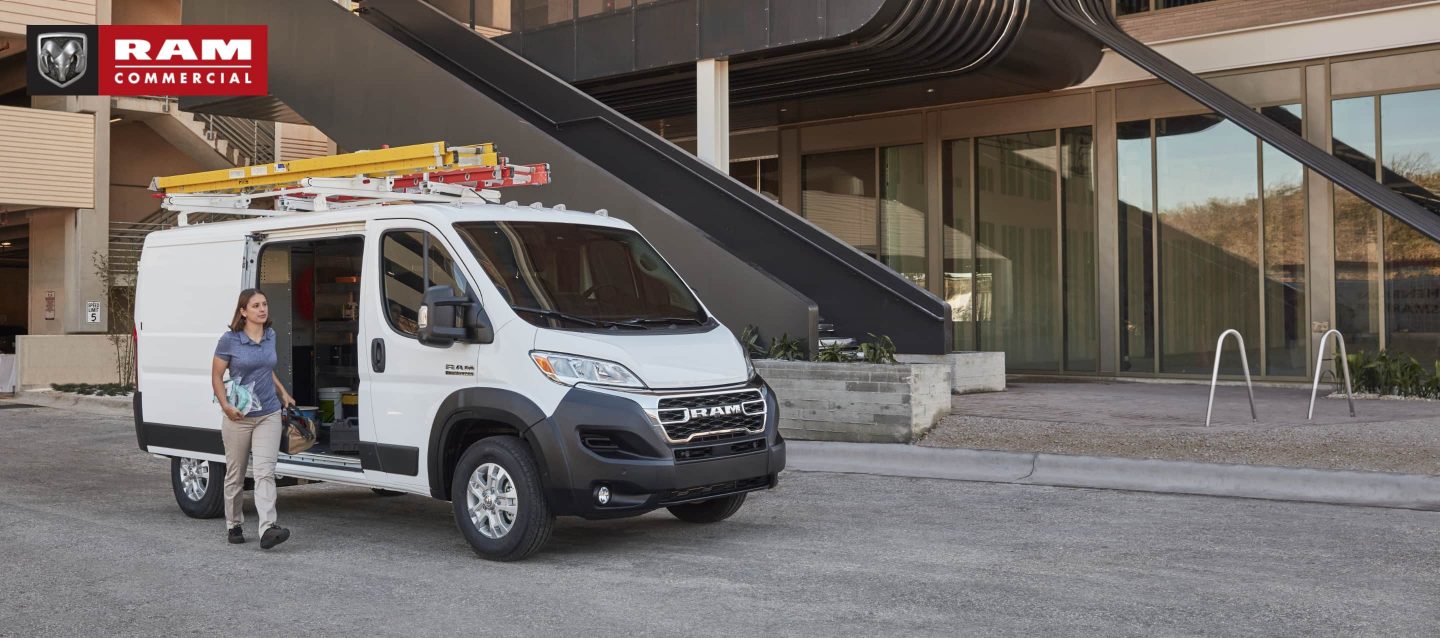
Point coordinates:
[[732, 413]]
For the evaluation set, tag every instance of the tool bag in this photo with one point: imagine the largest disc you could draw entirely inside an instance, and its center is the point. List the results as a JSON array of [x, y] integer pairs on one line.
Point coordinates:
[[299, 431]]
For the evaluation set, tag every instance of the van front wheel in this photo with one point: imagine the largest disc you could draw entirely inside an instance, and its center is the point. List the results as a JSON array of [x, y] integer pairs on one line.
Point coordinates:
[[199, 487], [499, 505], [711, 511]]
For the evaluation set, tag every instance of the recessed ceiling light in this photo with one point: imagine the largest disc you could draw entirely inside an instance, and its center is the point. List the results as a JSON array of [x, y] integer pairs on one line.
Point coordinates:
[[4, 244]]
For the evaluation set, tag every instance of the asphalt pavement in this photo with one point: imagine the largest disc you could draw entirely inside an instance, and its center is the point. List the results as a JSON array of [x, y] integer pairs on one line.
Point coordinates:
[[93, 544]]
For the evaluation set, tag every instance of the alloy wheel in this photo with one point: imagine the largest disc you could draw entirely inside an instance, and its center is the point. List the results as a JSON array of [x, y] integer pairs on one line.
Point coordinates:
[[195, 478], [492, 500]]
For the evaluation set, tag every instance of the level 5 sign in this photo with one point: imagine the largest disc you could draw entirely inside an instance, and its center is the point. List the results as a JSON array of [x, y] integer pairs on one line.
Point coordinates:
[[92, 312]]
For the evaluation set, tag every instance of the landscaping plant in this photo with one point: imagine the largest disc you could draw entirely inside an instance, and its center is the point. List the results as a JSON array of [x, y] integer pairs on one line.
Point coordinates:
[[880, 349], [1384, 373], [787, 349]]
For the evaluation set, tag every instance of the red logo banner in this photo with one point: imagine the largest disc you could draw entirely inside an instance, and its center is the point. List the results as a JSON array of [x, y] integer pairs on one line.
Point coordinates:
[[183, 60]]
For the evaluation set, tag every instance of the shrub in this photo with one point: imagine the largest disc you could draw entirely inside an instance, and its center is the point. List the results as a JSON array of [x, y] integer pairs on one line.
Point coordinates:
[[750, 341], [787, 349], [880, 349], [833, 353], [1388, 374], [91, 389]]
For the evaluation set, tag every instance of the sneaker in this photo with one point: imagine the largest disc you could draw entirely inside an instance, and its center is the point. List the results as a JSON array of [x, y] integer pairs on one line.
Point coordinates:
[[237, 535], [273, 536]]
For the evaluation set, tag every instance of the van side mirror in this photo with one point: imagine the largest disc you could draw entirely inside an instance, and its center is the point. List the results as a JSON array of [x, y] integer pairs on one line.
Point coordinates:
[[437, 325]]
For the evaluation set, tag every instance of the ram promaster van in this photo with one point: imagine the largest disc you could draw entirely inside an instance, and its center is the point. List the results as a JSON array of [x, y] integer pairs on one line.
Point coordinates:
[[520, 362]]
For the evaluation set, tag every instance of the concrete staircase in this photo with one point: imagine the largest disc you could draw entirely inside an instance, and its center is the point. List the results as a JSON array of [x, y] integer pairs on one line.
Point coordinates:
[[213, 141]]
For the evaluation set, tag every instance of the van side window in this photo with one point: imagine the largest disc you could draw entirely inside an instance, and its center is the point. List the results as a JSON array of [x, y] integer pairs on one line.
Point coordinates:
[[411, 261]]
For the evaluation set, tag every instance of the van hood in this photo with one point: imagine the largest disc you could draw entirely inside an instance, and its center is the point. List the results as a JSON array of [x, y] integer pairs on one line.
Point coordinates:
[[662, 361]]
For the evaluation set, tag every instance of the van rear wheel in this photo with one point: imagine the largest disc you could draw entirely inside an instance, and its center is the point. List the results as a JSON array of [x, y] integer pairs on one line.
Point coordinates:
[[499, 505], [199, 487], [711, 511]]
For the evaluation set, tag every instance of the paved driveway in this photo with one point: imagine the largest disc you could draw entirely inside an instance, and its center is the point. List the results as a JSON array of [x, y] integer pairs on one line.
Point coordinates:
[[93, 544]]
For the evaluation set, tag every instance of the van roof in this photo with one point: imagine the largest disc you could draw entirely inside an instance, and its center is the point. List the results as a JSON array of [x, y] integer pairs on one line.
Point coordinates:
[[436, 214]]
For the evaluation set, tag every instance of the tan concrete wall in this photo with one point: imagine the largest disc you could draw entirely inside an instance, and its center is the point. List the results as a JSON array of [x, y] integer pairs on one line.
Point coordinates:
[[47, 359], [15, 15], [47, 158], [146, 12], [138, 153], [300, 141], [48, 238], [1228, 15]]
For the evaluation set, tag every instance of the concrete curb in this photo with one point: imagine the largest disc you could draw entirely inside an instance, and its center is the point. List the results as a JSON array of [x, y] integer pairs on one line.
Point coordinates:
[[1375, 489], [108, 406]]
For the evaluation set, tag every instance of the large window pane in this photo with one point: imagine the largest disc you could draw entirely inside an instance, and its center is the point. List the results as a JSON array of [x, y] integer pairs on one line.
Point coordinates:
[[1357, 236], [903, 205], [1137, 250], [1082, 329], [839, 196], [1286, 327], [1019, 247], [770, 178], [1207, 183], [959, 244], [1410, 140]]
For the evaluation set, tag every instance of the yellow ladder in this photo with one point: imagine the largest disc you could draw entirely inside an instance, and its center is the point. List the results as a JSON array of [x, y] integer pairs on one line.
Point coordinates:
[[401, 160]]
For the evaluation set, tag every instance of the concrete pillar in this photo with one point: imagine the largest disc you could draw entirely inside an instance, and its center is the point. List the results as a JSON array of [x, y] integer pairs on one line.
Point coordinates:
[[712, 112], [1321, 208], [1107, 199], [65, 243]]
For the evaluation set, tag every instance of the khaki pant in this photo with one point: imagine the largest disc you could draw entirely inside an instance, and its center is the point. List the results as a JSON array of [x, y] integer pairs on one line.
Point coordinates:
[[261, 436]]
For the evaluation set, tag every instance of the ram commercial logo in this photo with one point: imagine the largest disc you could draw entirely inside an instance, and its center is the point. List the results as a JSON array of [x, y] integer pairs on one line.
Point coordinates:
[[148, 60], [723, 410]]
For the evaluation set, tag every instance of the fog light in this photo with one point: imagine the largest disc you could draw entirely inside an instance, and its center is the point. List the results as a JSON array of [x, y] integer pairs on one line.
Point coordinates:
[[602, 495]]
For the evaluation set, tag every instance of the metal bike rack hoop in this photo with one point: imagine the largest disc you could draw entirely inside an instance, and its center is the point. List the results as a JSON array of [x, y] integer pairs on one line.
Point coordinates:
[[1215, 376], [1319, 365]]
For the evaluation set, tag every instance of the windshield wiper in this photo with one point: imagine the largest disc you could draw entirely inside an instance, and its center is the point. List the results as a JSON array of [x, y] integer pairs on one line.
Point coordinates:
[[640, 321], [556, 314], [586, 321]]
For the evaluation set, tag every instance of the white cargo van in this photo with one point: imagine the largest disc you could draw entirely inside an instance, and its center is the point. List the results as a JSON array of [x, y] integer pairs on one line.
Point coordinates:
[[522, 363]]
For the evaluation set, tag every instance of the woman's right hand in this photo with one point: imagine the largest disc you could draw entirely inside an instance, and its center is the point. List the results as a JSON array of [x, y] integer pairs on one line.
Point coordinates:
[[232, 413]]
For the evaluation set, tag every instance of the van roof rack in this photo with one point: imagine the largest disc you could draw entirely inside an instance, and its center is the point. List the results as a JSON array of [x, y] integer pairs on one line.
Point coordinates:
[[433, 172]]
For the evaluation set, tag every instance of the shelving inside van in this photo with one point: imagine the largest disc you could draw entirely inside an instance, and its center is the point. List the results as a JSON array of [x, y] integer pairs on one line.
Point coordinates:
[[313, 287]]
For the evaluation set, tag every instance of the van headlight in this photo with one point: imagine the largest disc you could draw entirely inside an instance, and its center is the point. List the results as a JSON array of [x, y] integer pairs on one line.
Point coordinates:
[[568, 369]]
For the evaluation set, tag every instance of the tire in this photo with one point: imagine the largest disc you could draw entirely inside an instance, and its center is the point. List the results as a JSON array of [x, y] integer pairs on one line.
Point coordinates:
[[711, 511], [189, 477], [384, 492], [481, 521]]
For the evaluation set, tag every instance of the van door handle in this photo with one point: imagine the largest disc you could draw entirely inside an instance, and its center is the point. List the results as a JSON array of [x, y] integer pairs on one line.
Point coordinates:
[[377, 354]]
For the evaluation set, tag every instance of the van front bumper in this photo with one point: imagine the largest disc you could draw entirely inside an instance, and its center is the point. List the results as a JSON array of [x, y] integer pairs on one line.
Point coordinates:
[[603, 438]]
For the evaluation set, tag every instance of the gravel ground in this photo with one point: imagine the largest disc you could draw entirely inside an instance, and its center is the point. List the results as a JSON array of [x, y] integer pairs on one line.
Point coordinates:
[[93, 544], [1139, 420]]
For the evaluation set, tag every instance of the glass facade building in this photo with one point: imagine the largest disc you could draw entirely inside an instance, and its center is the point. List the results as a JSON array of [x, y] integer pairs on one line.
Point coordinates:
[[1124, 241]]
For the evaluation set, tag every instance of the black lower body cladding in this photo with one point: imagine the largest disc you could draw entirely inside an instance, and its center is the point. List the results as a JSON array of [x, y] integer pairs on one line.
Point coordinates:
[[597, 439]]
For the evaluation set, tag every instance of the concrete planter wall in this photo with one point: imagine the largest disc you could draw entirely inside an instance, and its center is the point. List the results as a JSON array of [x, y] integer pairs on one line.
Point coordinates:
[[972, 371], [860, 402]]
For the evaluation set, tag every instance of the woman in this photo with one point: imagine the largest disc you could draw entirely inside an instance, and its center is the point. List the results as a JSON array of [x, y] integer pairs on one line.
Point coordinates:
[[247, 351]]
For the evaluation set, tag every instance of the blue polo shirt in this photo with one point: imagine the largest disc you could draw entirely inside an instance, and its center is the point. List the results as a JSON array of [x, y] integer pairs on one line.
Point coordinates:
[[251, 365]]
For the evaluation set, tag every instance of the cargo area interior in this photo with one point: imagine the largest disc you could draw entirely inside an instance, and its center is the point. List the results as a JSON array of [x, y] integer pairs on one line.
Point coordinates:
[[313, 288]]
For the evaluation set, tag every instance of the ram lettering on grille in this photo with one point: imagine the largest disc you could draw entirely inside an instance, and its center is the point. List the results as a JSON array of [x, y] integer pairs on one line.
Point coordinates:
[[724, 410]]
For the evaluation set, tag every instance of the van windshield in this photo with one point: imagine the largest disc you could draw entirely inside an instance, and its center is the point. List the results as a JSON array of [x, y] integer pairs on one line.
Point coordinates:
[[570, 275]]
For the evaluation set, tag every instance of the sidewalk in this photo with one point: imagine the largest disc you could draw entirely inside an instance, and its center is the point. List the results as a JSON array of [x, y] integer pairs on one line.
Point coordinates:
[[1167, 422]]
